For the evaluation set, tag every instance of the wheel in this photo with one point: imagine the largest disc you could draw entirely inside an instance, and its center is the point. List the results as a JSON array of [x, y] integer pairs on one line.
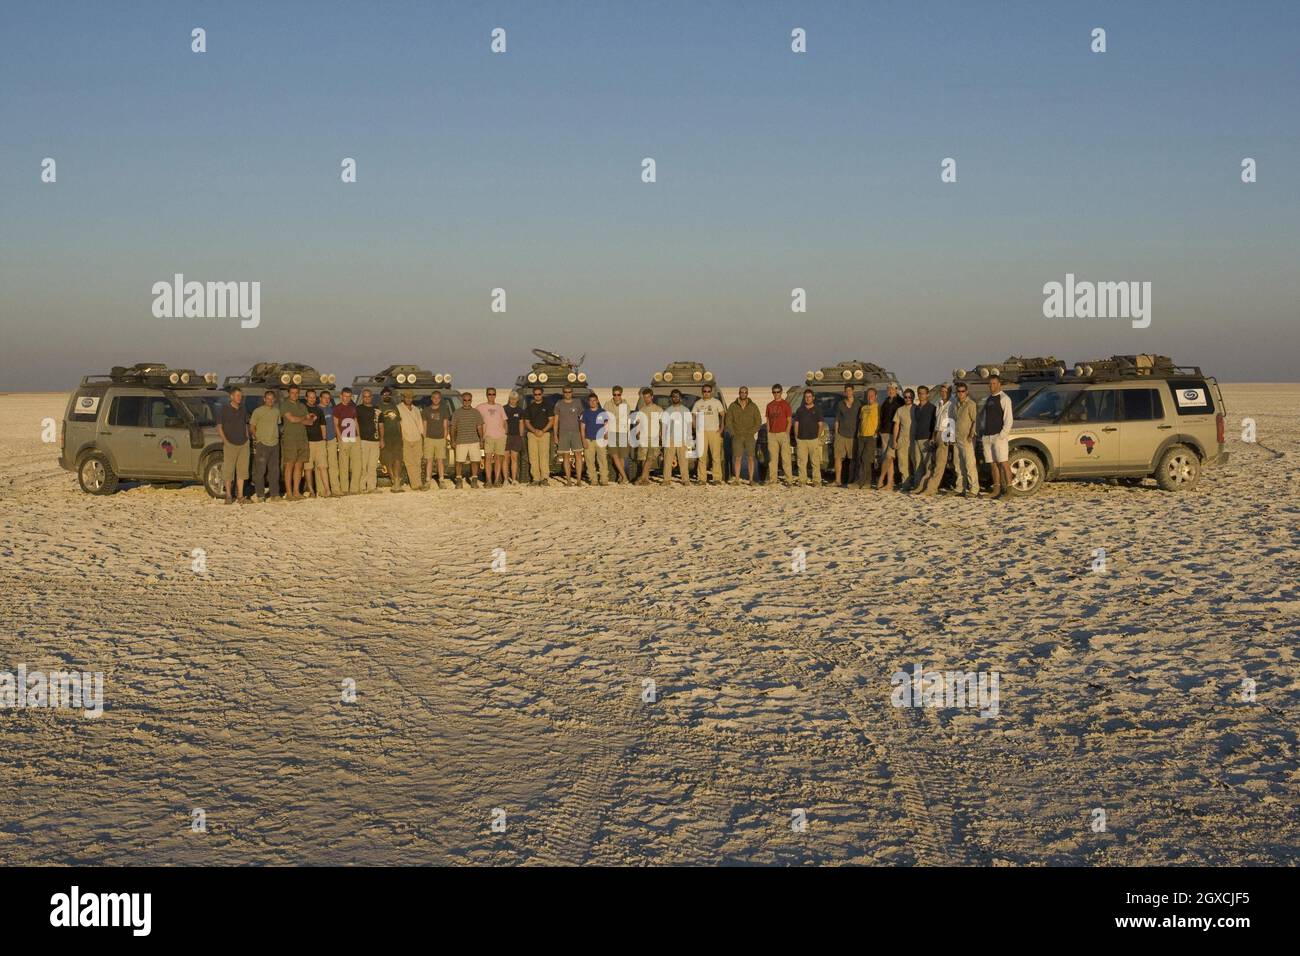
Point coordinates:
[[1027, 471], [211, 474], [1179, 469], [95, 474]]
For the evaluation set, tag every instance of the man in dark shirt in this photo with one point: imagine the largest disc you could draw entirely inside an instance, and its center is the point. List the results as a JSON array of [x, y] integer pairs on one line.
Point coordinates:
[[514, 437], [232, 426], [316, 476], [846, 424], [809, 429], [390, 438], [436, 415], [888, 409], [923, 418], [368, 430], [538, 423]]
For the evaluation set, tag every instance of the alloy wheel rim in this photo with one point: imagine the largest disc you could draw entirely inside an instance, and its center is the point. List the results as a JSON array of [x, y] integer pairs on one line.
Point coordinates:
[[93, 474]]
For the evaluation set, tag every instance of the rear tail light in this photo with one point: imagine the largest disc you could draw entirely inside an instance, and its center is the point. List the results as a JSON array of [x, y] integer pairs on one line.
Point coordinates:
[[1218, 426]]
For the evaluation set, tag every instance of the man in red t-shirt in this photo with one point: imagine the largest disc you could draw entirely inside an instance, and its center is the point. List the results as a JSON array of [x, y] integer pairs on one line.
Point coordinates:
[[778, 436], [348, 444]]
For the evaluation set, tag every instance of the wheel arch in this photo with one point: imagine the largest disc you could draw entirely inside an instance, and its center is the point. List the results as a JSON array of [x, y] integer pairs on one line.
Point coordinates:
[[1191, 441], [1034, 445]]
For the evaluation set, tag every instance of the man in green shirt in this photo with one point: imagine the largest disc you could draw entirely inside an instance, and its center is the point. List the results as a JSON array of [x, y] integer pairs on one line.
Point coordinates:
[[742, 423], [293, 442], [264, 423]]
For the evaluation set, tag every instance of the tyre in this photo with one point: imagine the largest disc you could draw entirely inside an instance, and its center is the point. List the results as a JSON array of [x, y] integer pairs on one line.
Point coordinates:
[[95, 475], [1027, 471], [212, 475], [1179, 469]]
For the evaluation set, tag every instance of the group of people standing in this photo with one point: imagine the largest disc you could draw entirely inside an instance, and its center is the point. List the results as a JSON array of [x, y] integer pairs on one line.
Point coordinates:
[[308, 445]]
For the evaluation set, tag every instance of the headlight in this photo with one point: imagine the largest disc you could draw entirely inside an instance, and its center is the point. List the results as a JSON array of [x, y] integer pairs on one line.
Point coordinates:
[[447, 378], [995, 370], [572, 377], [984, 371], [659, 376], [185, 378], [173, 378], [297, 378], [532, 376], [819, 375], [846, 374], [809, 376], [401, 378], [582, 376], [708, 376], [959, 373], [668, 376], [438, 379], [284, 378], [697, 376], [542, 376], [857, 373]]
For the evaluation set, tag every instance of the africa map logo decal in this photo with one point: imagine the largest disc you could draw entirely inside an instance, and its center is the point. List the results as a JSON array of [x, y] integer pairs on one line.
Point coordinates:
[[167, 446], [1089, 441]]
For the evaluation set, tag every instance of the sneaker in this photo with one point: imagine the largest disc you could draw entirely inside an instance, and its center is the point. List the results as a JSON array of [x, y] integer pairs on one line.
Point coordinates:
[[474, 482], [229, 500]]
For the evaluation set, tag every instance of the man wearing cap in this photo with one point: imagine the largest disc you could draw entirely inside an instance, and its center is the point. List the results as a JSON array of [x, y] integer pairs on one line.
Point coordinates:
[[347, 429], [708, 414], [436, 417], [742, 423]]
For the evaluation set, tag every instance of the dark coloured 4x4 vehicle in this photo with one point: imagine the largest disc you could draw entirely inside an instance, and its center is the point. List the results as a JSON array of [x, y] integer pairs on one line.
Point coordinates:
[[1128, 417], [144, 423]]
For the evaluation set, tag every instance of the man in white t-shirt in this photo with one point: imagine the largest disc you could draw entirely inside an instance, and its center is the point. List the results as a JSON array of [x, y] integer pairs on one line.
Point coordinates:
[[709, 413], [675, 437]]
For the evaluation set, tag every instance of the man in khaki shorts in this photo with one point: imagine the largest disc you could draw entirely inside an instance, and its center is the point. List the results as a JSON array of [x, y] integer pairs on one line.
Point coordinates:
[[846, 421], [436, 417], [232, 426], [742, 423], [467, 434], [494, 439]]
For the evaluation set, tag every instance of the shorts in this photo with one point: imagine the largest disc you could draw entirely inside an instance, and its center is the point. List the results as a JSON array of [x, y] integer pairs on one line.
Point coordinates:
[[292, 453], [494, 446], [515, 443], [234, 462], [435, 448], [744, 446], [996, 449], [470, 453], [569, 441], [843, 447]]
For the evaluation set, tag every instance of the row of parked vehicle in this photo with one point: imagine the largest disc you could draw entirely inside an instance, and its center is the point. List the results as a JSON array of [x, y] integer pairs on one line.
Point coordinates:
[[1128, 417]]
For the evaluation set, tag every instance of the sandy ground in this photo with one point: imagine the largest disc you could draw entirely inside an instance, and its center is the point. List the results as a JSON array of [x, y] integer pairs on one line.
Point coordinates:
[[522, 690]]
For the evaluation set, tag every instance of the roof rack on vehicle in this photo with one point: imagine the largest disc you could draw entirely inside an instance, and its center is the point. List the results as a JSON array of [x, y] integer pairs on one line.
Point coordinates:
[[279, 375], [1133, 366], [849, 372], [1016, 368], [153, 374], [403, 375]]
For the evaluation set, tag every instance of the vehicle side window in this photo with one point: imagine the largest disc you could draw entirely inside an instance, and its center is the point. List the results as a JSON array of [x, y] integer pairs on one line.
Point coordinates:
[[1141, 405], [127, 411], [159, 411], [1192, 396], [1096, 406], [86, 407]]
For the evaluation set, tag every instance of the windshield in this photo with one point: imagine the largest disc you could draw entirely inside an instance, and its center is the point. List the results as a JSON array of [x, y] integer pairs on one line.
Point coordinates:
[[663, 401], [1045, 405]]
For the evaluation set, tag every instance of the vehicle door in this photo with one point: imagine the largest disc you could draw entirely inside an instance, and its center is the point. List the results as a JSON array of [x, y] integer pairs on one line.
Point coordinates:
[[1142, 427], [1090, 433]]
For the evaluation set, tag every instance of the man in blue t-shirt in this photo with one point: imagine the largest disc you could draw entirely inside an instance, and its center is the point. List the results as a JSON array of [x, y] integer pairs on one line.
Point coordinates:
[[595, 442]]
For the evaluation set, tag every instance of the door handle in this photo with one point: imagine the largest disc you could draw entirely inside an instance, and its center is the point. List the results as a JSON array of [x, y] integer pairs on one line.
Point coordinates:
[[1111, 429], [1163, 427], [150, 435]]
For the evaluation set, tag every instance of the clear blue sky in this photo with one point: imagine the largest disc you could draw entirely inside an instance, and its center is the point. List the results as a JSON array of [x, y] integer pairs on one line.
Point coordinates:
[[522, 171]]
